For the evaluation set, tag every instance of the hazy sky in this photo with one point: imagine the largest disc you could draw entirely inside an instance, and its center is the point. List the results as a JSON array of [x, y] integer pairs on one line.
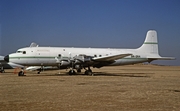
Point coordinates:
[[90, 23]]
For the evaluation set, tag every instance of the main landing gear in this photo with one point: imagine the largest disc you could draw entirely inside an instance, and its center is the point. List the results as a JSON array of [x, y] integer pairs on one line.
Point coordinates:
[[72, 72], [39, 71], [87, 71]]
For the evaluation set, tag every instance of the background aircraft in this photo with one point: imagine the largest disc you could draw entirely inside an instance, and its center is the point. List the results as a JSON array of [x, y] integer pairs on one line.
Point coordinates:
[[79, 58]]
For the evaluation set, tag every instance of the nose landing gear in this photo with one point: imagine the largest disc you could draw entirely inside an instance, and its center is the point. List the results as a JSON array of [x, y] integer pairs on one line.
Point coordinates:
[[21, 73]]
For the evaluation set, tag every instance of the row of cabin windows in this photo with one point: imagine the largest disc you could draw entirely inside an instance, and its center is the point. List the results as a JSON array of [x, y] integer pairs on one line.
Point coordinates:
[[24, 52], [94, 55]]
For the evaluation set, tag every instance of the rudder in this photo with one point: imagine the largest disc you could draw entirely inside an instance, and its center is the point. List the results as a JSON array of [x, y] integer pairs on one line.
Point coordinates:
[[150, 44]]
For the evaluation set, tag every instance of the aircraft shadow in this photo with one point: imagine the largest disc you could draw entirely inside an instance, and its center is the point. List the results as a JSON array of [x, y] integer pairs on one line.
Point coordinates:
[[124, 74], [100, 74]]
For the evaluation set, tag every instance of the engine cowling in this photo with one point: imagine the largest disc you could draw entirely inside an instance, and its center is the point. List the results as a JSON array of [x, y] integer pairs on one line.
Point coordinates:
[[65, 63]]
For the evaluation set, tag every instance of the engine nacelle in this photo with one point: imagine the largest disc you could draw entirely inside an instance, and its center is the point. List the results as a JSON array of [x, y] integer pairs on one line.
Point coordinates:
[[65, 63], [77, 62]]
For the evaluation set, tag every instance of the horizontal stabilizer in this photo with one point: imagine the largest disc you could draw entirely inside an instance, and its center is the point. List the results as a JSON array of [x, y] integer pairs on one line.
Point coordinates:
[[161, 58], [111, 57]]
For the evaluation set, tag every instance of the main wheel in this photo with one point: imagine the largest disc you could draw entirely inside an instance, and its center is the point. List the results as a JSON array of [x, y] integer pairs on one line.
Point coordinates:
[[88, 72], [78, 70], [72, 72]]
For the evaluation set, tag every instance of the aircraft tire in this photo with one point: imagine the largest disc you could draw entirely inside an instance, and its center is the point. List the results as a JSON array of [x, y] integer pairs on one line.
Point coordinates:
[[88, 72], [72, 72], [21, 73], [79, 70], [2, 71]]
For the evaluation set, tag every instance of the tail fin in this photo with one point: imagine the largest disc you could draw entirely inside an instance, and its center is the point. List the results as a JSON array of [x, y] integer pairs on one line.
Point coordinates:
[[150, 47]]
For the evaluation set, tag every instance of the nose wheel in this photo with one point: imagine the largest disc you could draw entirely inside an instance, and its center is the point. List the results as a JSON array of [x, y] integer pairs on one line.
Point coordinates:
[[2, 70], [21, 73]]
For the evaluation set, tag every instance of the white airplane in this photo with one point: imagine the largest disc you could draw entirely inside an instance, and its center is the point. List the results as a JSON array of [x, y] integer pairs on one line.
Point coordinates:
[[78, 58]]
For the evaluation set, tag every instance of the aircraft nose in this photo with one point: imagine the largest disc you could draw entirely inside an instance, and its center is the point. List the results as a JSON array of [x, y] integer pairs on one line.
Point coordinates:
[[6, 58]]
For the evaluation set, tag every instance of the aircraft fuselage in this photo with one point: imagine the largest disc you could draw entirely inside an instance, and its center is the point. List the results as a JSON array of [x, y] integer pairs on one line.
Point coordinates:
[[46, 56]]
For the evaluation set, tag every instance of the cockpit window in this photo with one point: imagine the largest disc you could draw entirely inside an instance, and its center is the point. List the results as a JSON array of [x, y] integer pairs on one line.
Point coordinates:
[[19, 52], [23, 52]]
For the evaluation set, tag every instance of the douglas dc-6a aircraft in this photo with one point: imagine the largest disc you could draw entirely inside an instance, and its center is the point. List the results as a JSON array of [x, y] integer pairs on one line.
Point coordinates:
[[79, 58]]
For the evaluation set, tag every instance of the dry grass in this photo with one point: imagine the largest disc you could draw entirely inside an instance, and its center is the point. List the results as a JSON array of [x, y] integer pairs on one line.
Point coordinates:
[[131, 88]]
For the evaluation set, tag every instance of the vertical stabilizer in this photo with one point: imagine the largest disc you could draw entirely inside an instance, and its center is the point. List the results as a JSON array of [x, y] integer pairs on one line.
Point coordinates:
[[150, 45]]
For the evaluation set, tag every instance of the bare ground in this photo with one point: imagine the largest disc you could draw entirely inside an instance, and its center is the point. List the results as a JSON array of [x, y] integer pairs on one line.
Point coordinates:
[[129, 88]]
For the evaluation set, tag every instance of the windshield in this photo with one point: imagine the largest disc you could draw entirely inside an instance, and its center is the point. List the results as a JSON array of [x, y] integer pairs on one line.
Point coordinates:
[[23, 52]]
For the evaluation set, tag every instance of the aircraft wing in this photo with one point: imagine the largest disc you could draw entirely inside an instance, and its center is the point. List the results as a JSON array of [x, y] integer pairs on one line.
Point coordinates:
[[111, 57]]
